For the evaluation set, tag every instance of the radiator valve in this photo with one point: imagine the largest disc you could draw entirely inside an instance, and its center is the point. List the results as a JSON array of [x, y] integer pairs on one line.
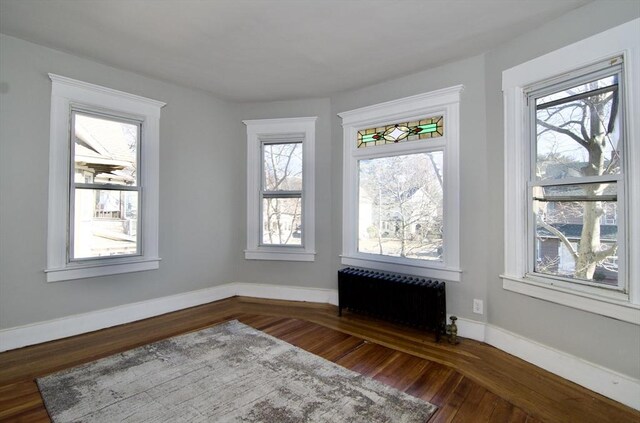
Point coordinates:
[[452, 331]]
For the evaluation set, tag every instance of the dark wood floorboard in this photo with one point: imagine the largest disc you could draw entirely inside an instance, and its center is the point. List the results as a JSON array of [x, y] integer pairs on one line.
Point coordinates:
[[469, 382]]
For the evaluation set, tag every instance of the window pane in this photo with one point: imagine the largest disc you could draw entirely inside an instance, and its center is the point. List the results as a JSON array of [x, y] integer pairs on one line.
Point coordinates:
[[282, 164], [281, 221], [577, 239], [105, 223], [105, 150], [426, 128], [401, 206], [578, 131]]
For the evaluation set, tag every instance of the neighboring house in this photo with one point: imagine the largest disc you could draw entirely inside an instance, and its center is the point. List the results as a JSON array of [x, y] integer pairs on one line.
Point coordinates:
[[558, 259], [418, 221], [105, 154]]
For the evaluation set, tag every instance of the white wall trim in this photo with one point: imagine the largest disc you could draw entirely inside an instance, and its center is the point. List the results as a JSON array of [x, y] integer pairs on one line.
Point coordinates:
[[65, 94], [609, 383], [289, 293], [471, 329], [50, 330], [302, 129], [602, 380]]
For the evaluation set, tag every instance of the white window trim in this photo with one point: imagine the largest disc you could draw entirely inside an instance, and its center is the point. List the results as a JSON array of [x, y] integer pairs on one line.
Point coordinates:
[[446, 102], [65, 93], [270, 129], [621, 40]]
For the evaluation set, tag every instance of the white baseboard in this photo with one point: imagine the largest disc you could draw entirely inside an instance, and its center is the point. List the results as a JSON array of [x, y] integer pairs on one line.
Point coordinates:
[[290, 293], [37, 333], [607, 382], [64, 327], [468, 328]]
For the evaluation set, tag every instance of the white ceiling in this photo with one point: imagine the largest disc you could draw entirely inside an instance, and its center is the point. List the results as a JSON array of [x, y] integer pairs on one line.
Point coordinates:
[[256, 50]]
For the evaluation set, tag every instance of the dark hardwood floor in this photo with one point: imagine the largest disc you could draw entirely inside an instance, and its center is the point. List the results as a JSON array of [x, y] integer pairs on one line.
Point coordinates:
[[469, 382]]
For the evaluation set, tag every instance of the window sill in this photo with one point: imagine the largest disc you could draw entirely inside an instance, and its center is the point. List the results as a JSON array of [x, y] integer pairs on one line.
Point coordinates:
[[425, 270], [283, 255], [617, 309], [86, 270]]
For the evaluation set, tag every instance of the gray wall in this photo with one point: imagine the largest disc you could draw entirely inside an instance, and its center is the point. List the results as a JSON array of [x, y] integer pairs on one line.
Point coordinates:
[[199, 156], [473, 164], [576, 332], [601, 340], [320, 273], [203, 179]]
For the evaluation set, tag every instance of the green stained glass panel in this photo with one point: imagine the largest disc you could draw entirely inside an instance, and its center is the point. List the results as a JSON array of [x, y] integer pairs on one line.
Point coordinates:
[[426, 128]]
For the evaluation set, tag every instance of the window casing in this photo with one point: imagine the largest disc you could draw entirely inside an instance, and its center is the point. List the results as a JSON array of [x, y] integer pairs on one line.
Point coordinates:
[[103, 181], [401, 185], [544, 198], [280, 189]]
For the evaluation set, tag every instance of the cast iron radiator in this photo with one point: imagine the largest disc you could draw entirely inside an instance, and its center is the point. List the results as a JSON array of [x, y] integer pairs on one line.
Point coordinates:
[[404, 299]]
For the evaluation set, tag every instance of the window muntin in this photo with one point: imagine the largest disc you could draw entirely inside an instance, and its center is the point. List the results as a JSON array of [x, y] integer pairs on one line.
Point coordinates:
[[104, 188], [400, 206], [576, 178]]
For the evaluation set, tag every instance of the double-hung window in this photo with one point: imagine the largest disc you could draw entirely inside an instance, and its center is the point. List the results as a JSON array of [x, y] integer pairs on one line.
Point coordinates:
[[103, 181], [281, 192], [280, 189], [576, 181], [401, 185], [572, 196], [104, 186]]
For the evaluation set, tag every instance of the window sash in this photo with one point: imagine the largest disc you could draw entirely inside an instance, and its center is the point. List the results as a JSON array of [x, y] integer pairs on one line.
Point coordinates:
[[71, 218], [420, 149], [279, 194], [609, 67]]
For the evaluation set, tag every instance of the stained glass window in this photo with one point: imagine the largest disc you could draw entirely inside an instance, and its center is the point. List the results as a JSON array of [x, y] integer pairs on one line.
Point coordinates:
[[431, 127]]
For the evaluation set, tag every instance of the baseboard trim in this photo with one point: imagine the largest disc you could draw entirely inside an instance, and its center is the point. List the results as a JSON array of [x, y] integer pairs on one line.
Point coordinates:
[[468, 328], [37, 333], [289, 293], [604, 381]]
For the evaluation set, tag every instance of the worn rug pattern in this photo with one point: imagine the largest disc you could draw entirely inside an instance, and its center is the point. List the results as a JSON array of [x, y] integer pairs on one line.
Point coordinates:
[[226, 373]]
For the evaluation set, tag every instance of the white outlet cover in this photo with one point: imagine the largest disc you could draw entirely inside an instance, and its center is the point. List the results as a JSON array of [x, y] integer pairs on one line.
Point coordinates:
[[477, 306]]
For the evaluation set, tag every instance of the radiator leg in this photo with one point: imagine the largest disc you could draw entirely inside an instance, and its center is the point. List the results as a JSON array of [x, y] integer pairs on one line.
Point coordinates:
[[339, 311]]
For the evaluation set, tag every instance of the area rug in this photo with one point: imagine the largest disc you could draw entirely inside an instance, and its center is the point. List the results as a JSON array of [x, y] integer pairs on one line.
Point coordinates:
[[226, 373]]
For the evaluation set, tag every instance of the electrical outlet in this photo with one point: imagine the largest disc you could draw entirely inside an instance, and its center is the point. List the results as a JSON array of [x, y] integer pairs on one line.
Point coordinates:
[[478, 306]]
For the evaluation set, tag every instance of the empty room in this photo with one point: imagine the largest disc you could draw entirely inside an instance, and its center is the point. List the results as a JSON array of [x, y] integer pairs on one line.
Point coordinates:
[[320, 211]]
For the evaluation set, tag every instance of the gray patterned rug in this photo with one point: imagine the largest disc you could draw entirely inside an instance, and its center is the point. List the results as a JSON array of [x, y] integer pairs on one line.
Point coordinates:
[[226, 373]]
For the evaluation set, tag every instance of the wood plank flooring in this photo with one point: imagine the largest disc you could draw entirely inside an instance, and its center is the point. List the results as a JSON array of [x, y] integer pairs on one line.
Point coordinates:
[[469, 382]]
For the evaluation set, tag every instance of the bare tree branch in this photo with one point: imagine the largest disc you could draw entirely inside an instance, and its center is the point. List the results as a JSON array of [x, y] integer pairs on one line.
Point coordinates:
[[435, 169], [566, 132], [602, 255]]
